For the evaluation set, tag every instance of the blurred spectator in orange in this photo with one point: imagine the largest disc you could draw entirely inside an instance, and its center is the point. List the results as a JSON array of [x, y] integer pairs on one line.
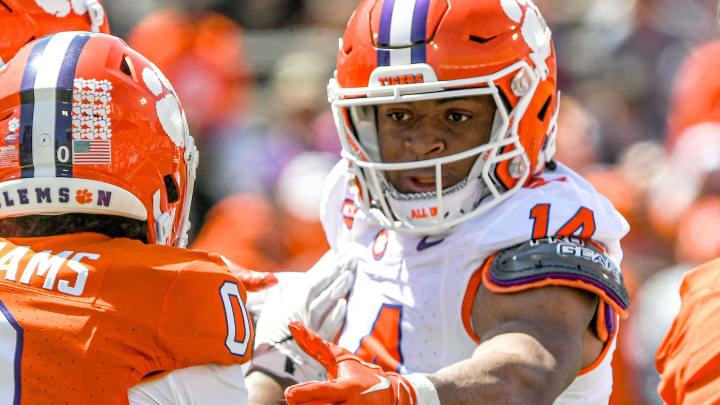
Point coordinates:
[[698, 237], [683, 207], [579, 143], [696, 91], [202, 53], [626, 185], [243, 228], [255, 233], [691, 174], [298, 195]]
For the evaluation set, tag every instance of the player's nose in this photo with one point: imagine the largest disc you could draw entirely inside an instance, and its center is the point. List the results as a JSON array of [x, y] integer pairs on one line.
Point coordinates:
[[426, 144]]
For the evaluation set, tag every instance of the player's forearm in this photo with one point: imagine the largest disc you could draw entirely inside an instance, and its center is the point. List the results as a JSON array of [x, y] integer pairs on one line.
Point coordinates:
[[499, 380], [508, 369]]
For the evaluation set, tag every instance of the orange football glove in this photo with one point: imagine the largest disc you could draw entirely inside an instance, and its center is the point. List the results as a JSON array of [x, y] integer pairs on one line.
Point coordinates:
[[351, 381], [253, 280]]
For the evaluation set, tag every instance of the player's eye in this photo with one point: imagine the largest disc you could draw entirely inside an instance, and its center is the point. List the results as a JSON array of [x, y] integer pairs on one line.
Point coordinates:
[[457, 116], [398, 116]]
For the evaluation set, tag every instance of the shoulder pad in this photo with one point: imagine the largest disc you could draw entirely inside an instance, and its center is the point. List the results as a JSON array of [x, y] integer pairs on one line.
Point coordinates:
[[560, 261]]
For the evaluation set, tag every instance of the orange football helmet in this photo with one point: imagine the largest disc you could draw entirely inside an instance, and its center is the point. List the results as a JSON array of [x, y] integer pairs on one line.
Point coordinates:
[[402, 51], [88, 125], [696, 92], [25, 20], [204, 57]]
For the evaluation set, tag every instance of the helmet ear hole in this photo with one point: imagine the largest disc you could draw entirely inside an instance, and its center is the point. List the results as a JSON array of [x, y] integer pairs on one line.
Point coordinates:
[[171, 189], [126, 67], [543, 111], [504, 99]]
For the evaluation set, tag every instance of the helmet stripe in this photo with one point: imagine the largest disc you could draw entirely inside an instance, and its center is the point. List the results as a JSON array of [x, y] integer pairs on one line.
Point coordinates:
[[46, 89], [383, 57], [419, 31], [386, 22], [400, 31], [419, 20], [27, 104], [64, 103], [403, 23], [384, 34]]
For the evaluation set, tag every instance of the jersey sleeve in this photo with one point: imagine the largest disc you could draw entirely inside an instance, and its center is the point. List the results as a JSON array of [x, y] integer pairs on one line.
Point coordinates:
[[204, 318], [558, 203], [576, 230]]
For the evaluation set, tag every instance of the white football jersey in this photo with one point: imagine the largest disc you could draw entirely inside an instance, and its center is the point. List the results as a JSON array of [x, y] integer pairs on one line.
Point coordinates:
[[409, 309]]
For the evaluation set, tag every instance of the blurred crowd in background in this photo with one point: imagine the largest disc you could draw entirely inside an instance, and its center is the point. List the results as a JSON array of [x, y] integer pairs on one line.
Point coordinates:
[[640, 118]]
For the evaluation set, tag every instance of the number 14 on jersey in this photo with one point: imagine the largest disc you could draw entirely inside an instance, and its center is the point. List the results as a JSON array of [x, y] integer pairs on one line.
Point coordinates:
[[581, 225]]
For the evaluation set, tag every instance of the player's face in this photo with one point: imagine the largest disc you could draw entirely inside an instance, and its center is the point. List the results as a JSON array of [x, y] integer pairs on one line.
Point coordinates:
[[421, 130]]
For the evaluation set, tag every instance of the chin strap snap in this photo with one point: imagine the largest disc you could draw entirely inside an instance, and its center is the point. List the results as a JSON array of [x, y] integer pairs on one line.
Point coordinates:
[[163, 222]]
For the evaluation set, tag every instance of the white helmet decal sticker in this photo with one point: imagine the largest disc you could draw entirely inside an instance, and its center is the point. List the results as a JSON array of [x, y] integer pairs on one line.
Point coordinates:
[[512, 9], [60, 8], [168, 111], [534, 29], [14, 125], [91, 109], [151, 81], [168, 108]]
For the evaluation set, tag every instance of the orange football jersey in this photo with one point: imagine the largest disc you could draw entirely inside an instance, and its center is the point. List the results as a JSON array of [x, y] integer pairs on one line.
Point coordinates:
[[84, 317], [688, 358]]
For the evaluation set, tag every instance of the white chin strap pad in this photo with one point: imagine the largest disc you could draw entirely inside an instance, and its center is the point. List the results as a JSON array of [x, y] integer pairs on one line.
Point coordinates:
[[424, 212]]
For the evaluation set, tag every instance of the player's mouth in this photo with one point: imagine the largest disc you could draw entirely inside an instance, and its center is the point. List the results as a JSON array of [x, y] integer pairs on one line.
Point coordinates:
[[416, 182], [421, 184]]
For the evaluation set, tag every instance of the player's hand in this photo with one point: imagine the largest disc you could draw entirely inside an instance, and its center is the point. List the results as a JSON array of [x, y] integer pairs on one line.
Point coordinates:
[[253, 280], [351, 381], [316, 298]]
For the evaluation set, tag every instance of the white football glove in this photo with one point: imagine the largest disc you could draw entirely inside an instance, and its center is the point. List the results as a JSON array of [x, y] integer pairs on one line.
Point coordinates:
[[316, 298]]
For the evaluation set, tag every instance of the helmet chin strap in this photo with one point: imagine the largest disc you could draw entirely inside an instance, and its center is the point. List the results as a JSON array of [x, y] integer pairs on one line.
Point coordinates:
[[163, 222], [422, 210]]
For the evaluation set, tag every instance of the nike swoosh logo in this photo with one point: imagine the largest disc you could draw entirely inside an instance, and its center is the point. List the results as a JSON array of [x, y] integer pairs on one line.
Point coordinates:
[[424, 244], [383, 384]]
